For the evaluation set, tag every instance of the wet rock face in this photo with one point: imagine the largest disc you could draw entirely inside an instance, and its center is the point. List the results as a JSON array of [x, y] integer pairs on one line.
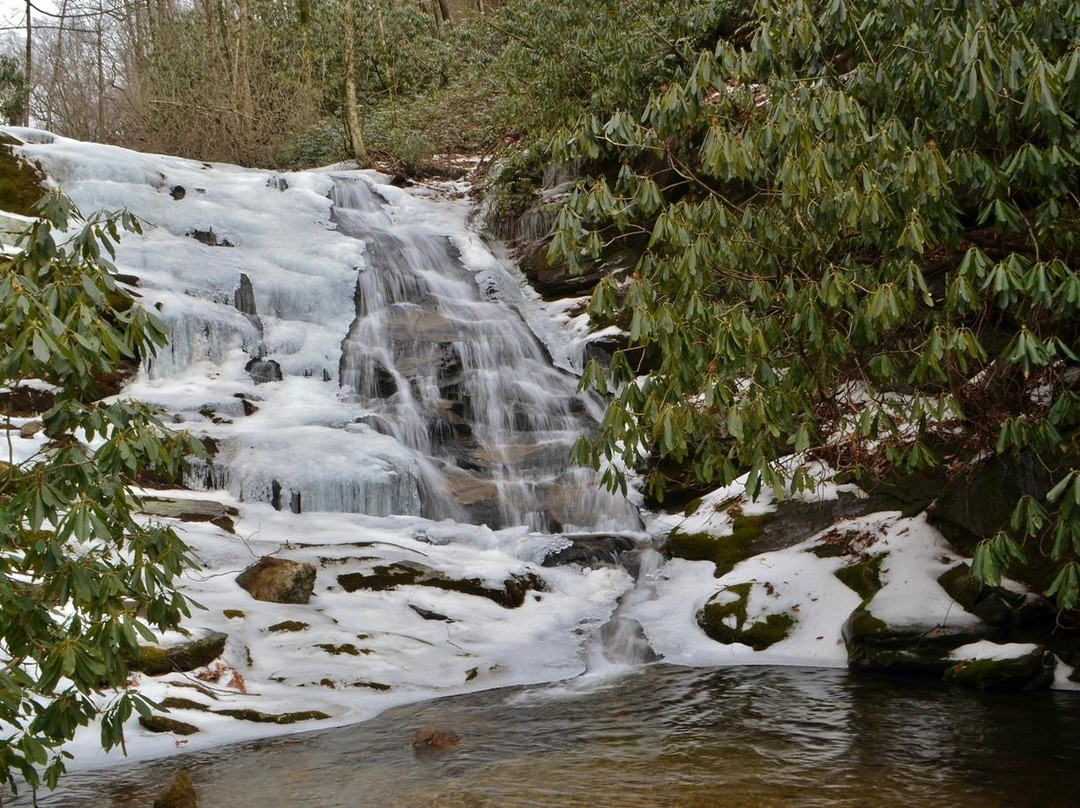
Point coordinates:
[[264, 370], [278, 580], [593, 550], [187, 656], [244, 297]]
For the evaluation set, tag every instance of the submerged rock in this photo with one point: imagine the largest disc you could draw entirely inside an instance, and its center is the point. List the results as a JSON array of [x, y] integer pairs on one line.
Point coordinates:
[[992, 666], [279, 580], [724, 618], [181, 794], [187, 656], [431, 738]]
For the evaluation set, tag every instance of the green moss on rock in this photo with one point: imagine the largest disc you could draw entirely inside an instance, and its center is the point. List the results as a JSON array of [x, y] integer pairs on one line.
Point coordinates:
[[724, 551], [287, 625], [873, 644], [410, 573], [177, 703], [273, 718], [155, 661], [21, 183], [1027, 672], [863, 577], [234, 614], [344, 648], [160, 723], [724, 619]]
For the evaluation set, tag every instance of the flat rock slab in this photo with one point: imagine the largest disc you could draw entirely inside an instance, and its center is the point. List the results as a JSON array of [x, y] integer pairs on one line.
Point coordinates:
[[191, 510]]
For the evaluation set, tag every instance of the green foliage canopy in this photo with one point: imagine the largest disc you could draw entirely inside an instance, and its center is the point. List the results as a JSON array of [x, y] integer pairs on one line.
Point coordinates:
[[76, 566], [864, 237]]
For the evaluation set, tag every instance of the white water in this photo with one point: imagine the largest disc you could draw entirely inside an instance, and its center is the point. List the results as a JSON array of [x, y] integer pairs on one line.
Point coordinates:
[[454, 454]]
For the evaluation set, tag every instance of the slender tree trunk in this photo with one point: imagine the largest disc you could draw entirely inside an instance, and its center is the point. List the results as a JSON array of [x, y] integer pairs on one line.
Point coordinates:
[[29, 61], [243, 75], [444, 11], [100, 78], [352, 113]]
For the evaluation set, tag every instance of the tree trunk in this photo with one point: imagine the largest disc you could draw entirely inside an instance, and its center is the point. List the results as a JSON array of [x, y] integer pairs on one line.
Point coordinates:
[[243, 76], [29, 61], [444, 11], [352, 113]]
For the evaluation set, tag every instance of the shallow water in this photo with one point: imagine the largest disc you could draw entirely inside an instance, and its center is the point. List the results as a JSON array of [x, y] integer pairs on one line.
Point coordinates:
[[657, 736]]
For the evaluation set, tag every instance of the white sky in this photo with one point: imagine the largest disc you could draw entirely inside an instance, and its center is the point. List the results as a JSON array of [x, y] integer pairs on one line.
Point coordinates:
[[13, 13]]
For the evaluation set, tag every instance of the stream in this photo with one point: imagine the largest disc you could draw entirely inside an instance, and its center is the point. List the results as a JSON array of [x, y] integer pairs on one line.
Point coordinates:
[[660, 736], [383, 408]]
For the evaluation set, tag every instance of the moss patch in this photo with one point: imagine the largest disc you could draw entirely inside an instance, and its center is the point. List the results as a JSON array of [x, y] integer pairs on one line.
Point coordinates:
[[273, 718], [345, 648], [159, 723], [21, 183], [724, 551], [154, 661], [287, 625], [234, 614], [724, 619], [372, 685], [177, 703], [410, 573], [863, 577]]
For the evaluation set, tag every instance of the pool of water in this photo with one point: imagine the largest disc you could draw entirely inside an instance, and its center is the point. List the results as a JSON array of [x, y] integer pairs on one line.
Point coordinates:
[[658, 736]]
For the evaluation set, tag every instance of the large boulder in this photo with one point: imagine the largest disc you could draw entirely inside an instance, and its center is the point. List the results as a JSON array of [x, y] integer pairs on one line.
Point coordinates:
[[910, 647], [997, 605], [278, 580], [1015, 666]]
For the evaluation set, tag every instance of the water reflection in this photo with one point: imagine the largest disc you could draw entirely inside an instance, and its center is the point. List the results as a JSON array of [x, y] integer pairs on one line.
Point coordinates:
[[662, 736]]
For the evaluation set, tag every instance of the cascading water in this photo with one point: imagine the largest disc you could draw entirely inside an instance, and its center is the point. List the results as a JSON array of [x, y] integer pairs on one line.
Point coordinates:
[[461, 381]]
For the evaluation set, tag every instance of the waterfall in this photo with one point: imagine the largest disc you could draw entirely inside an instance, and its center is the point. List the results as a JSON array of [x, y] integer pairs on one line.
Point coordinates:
[[459, 379]]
